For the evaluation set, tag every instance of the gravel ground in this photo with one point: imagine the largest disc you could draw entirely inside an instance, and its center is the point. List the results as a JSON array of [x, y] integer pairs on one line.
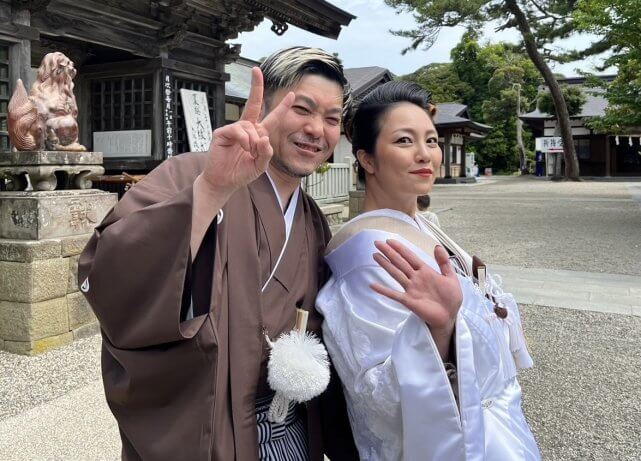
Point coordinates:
[[26, 382], [591, 226], [583, 397]]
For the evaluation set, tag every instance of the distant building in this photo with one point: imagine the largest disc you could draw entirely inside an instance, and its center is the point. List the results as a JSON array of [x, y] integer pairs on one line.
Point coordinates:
[[609, 154], [456, 130], [237, 88]]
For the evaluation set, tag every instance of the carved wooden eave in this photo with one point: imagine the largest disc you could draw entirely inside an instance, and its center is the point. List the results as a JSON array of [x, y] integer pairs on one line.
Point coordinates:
[[191, 30], [12, 32], [99, 23], [29, 5], [231, 17], [316, 16]]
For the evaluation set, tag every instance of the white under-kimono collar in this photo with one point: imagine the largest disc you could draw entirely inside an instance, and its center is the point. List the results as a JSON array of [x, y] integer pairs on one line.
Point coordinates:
[[288, 216], [388, 212], [417, 221]]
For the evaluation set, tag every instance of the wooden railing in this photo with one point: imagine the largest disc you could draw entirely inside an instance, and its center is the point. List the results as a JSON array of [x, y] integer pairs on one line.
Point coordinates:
[[331, 186]]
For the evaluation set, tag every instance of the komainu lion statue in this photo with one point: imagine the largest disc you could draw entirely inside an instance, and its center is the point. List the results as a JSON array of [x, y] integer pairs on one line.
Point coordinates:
[[46, 118]]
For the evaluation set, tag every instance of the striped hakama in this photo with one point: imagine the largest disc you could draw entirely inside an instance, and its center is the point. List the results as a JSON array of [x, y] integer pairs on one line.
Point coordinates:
[[286, 441]]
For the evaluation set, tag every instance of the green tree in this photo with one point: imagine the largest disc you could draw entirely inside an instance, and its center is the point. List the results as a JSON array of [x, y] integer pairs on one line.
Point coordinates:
[[442, 81], [500, 74], [618, 23], [540, 24], [574, 97], [510, 90]]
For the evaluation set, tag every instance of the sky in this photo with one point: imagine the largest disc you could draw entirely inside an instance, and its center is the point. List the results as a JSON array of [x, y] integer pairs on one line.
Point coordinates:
[[368, 42]]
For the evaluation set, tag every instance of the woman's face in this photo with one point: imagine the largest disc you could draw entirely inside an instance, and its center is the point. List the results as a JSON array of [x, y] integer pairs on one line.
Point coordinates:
[[407, 154]]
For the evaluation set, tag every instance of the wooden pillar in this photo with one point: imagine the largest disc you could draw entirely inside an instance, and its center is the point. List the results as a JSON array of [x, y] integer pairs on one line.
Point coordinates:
[[462, 173], [608, 156], [219, 112], [20, 53], [158, 124], [447, 156]]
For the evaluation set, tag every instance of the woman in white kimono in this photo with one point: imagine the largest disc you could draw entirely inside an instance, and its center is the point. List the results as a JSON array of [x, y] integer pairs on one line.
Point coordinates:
[[427, 361]]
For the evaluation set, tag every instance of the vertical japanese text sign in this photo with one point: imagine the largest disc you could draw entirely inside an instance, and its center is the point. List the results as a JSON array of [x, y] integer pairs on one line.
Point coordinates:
[[168, 114], [197, 119]]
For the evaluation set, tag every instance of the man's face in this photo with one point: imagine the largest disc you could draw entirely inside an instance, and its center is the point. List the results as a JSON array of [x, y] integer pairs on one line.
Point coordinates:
[[310, 130]]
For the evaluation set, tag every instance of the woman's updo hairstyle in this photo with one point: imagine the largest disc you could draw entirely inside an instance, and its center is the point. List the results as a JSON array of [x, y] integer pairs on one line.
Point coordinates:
[[363, 123]]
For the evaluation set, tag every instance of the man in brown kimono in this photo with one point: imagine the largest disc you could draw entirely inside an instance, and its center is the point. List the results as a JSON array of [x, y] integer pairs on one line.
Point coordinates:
[[202, 257]]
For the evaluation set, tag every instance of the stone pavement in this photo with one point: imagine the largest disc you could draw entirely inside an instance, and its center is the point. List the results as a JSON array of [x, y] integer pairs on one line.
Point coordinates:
[[592, 291], [79, 426], [76, 426]]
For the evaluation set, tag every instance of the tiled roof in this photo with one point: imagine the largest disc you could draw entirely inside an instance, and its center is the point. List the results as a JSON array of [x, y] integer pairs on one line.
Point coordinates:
[[594, 106], [362, 79], [450, 112]]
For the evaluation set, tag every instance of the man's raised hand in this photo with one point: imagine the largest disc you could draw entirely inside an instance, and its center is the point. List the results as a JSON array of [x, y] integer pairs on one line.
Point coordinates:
[[240, 152]]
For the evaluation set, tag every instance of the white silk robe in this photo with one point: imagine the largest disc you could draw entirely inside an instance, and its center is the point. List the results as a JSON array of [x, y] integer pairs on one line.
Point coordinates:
[[400, 402]]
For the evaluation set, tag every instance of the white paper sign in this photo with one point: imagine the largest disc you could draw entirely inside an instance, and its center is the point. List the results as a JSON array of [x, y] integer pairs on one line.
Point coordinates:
[[129, 143], [197, 120], [549, 144]]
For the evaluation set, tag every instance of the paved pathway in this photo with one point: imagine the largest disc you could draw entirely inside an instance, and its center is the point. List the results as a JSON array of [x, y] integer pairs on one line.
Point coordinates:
[[610, 293], [77, 426]]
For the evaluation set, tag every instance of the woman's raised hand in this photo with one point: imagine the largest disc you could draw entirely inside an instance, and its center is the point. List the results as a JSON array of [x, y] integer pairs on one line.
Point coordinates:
[[435, 298], [240, 152]]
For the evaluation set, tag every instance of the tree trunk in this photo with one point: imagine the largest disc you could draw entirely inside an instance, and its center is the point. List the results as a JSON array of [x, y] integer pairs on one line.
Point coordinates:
[[562, 114], [521, 147]]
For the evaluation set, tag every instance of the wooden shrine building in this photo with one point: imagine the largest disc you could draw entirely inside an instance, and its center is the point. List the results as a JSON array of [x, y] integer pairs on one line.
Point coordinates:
[[133, 57]]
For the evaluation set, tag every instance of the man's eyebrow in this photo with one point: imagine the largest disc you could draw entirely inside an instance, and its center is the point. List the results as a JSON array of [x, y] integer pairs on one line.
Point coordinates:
[[307, 100], [312, 104]]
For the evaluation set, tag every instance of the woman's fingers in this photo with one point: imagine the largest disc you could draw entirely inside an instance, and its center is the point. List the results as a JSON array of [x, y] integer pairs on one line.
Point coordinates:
[[395, 257], [408, 255], [392, 270], [443, 261], [385, 291]]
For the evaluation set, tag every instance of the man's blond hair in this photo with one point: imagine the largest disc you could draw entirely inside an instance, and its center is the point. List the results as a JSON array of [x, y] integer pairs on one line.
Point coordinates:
[[285, 68]]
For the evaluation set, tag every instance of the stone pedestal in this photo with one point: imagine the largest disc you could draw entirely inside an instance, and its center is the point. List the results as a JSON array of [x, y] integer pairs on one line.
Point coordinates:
[[44, 215], [356, 202], [333, 213], [41, 237], [49, 170]]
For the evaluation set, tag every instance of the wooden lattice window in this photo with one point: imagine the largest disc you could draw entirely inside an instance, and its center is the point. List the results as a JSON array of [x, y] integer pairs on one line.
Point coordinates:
[[4, 97], [122, 103], [181, 141]]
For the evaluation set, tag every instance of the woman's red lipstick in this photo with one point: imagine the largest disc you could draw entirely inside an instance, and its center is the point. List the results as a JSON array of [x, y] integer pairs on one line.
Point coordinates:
[[424, 172]]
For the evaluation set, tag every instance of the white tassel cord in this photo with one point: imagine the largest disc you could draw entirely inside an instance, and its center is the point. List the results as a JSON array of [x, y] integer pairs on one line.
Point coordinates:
[[278, 409], [517, 344], [298, 371], [498, 327]]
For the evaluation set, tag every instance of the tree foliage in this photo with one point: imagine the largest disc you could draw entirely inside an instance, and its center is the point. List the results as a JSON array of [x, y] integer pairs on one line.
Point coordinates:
[[550, 20], [442, 81], [574, 97], [541, 23], [488, 79], [618, 22]]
